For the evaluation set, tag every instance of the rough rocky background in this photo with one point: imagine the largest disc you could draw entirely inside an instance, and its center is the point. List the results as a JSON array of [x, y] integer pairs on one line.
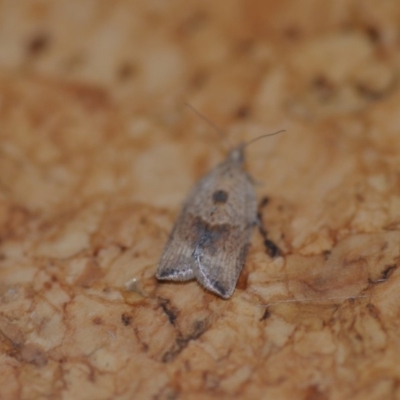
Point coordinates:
[[98, 150]]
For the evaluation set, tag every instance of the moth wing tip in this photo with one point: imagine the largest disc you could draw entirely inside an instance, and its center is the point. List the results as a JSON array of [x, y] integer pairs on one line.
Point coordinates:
[[223, 290], [165, 273]]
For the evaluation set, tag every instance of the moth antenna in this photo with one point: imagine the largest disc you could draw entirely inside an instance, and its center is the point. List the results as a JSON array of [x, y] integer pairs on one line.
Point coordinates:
[[216, 127], [262, 137]]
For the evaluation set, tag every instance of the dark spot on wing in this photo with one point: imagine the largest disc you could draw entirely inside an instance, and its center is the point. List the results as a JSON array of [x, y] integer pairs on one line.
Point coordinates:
[[208, 234], [220, 196], [210, 237]]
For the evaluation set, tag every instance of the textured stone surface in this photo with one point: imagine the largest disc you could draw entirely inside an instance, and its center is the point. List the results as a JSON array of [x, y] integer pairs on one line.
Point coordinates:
[[98, 150]]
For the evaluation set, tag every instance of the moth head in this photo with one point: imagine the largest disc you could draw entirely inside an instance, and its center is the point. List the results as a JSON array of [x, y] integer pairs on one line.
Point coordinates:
[[237, 154]]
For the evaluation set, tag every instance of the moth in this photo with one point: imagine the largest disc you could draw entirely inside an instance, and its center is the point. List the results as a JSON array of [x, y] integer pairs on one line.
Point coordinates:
[[211, 236]]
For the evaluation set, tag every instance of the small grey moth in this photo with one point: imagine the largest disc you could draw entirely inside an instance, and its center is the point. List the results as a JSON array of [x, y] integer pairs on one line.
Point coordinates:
[[211, 235]]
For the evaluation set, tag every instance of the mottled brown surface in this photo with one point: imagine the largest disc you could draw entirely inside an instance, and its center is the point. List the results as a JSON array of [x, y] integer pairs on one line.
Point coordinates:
[[97, 153]]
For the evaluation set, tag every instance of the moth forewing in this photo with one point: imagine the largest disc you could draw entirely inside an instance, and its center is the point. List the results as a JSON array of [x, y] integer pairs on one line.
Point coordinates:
[[211, 235]]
